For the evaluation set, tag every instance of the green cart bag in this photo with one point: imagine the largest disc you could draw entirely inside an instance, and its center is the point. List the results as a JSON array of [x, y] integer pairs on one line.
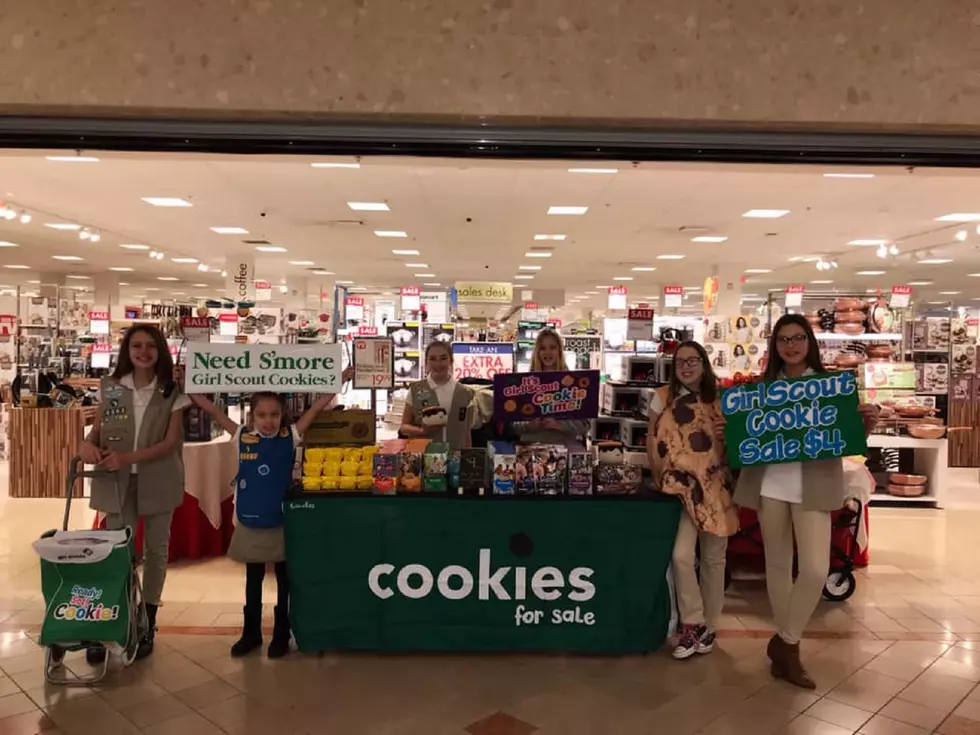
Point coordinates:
[[85, 579]]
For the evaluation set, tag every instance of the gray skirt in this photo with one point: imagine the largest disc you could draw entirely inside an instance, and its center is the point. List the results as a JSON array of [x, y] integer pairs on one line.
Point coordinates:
[[257, 545]]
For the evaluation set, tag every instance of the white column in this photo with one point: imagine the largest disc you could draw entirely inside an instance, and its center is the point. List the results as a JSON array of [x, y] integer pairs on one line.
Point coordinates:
[[106, 287], [729, 290]]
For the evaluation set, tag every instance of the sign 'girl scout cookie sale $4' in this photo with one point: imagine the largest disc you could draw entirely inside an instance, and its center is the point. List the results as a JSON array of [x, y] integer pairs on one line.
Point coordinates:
[[793, 420], [240, 368]]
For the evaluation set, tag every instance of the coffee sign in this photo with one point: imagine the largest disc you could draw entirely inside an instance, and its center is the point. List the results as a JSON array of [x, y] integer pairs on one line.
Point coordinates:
[[793, 420], [245, 368]]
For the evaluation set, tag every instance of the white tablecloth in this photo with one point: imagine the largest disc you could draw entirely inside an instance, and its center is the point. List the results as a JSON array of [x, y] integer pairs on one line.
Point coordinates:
[[209, 470]]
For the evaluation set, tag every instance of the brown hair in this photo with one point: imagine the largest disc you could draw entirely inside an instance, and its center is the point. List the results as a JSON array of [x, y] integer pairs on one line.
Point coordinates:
[[775, 363], [708, 390], [165, 362], [447, 346], [542, 336]]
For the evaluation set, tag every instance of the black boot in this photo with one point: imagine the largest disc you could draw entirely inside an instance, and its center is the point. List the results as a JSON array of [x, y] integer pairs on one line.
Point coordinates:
[[145, 647], [251, 632], [281, 633], [95, 655]]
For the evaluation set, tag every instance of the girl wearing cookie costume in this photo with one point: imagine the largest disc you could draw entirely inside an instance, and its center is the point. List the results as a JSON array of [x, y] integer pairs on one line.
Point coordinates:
[[266, 457], [138, 439], [549, 356], [689, 461], [438, 407]]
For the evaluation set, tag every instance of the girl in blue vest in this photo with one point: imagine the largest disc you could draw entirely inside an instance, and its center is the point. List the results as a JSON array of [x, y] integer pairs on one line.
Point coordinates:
[[266, 456]]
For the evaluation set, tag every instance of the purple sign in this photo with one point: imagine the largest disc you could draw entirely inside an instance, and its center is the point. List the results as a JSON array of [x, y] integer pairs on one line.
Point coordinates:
[[572, 394]]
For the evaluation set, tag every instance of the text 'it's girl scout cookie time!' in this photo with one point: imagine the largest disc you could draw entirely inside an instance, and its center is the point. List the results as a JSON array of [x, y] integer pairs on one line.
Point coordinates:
[[794, 420], [567, 394]]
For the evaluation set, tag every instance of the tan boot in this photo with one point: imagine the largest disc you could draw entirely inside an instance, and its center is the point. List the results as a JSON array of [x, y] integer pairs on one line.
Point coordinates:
[[786, 663]]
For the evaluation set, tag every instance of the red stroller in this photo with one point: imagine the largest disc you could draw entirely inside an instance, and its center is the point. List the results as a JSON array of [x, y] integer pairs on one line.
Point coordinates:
[[746, 549]]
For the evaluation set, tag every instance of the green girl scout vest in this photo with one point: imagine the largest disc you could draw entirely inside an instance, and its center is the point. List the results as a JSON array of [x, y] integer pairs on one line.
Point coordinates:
[[423, 398]]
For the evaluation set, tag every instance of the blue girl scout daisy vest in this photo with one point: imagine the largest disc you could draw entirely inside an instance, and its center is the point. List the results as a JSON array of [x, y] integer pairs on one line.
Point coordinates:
[[265, 474]]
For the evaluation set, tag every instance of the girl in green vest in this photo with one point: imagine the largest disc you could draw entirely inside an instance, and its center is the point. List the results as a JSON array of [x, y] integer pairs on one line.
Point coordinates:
[[437, 408], [137, 439]]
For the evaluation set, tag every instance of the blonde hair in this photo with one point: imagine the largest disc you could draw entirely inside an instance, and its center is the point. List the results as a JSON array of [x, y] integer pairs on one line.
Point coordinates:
[[542, 336]]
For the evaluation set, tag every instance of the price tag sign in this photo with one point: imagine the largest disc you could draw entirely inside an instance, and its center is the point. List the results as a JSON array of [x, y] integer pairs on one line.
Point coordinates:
[[639, 325], [355, 308], [673, 297], [411, 298], [794, 296], [901, 296], [555, 324], [101, 356], [98, 322], [263, 291], [228, 325], [374, 363], [617, 298], [196, 328], [367, 331]]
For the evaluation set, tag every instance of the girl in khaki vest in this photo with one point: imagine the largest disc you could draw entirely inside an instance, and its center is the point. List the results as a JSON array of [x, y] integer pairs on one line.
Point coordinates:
[[138, 438], [437, 408], [794, 500], [689, 461]]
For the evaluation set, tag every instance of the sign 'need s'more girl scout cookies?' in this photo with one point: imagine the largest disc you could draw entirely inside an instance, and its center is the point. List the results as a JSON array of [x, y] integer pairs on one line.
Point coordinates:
[[567, 394], [245, 368], [793, 420]]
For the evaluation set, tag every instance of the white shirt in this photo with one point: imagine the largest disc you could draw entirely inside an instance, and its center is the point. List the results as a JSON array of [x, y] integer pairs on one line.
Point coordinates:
[[784, 481], [141, 399], [444, 393]]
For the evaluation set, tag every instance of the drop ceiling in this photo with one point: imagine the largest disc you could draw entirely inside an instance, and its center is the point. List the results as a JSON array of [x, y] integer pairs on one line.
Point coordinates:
[[477, 220]]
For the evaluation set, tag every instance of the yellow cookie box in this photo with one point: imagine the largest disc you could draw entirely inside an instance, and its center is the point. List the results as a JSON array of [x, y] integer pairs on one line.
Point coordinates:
[[312, 469], [315, 455]]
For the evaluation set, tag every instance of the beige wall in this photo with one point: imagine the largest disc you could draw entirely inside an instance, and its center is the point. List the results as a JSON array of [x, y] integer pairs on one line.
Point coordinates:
[[900, 63]]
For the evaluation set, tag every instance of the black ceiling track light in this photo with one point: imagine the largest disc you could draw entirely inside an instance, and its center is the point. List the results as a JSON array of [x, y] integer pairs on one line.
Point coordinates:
[[604, 140]]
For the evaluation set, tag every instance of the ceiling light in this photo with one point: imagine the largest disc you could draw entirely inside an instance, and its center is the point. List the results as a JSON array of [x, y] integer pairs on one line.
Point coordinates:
[[73, 159], [167, 202], [390, 233], [8, 213], [122, 269], [368, 206], [821, 282], [960, 217], [529, 267], [84, 235], [66, 257], [6, 244], [550, 237], [670, 257], [80, 278], [766, 213], [929, 283], [568, 210], [405, 252], [623, 278], [432, 285], [591, 293], [758, 270], [183, 260], [416, 265], [524, 278], [893, 250], [328, 164], [134, 246], [601, 287], [301, 262], [156, 255], [961, 235], [848, 176], [67, 226], [357, 288], [229, 230], [882, 251], [18, 267], [344, 283], [324, 273], [936, 261], [25, 218], [270, 249], [196, 285], [950, 293], [537, 255], [593, 170], [203, 267], [224, 274], [709, 238], [644, 269], [871, 273], [868, 242], [121, 283], [167, 278], [425, 275]]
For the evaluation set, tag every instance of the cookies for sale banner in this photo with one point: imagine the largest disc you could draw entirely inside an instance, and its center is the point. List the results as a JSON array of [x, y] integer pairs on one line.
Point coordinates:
[[572, 394]]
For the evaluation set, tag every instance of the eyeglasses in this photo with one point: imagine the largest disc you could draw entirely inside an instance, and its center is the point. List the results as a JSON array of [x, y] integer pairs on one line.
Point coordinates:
[[795, 339], [690, 362]]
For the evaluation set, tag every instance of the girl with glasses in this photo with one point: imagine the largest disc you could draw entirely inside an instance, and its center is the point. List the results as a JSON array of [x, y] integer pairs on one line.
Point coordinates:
[[795, 499], [688, 460]]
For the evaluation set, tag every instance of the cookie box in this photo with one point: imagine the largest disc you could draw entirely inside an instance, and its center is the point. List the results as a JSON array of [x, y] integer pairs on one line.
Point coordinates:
[[473, 464], [412, 465], [541, 469], [386, 469], [452, 470], [436, 459], [581, 469], [502, 461]]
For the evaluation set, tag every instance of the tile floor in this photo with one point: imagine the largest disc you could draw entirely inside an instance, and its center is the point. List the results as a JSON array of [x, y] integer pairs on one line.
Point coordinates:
[[900, 657]]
